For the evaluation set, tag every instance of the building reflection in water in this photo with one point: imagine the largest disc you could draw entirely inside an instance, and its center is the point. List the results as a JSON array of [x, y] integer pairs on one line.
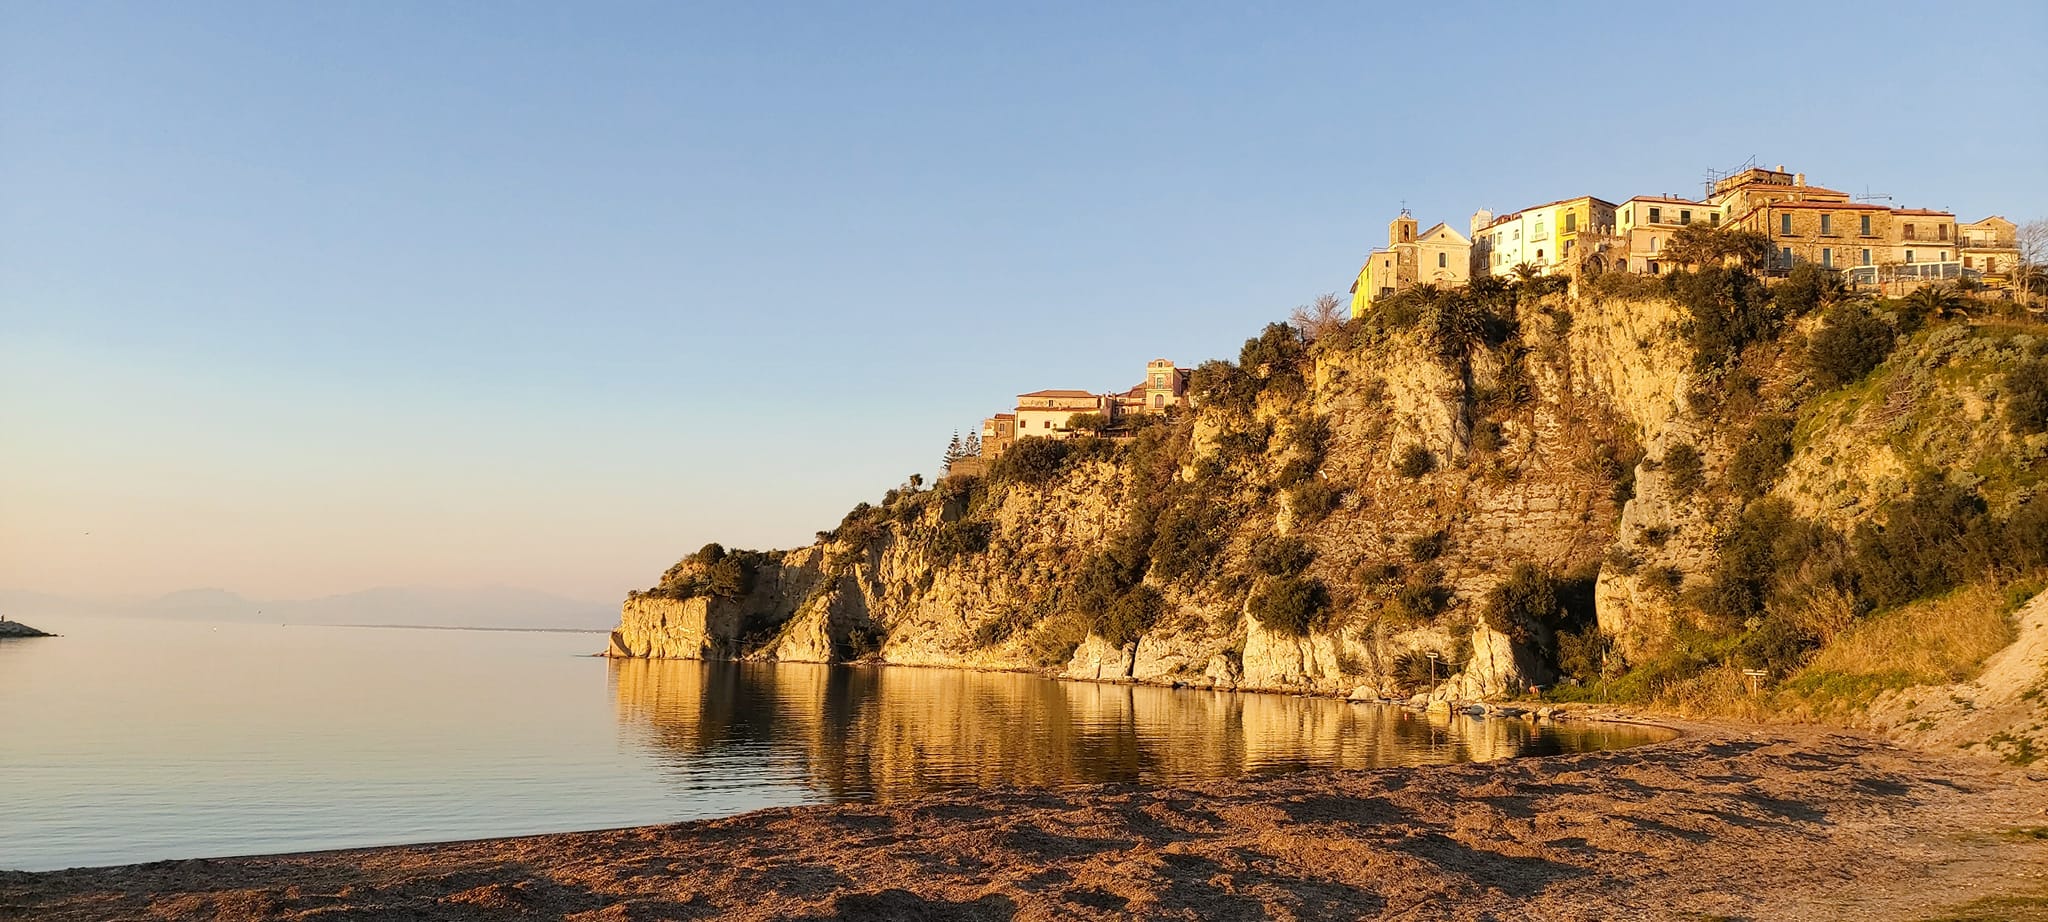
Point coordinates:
[[879, 732]]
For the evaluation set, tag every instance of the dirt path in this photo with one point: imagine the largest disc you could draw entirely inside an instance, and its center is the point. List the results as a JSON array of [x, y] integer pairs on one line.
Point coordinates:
[[1720, 825]]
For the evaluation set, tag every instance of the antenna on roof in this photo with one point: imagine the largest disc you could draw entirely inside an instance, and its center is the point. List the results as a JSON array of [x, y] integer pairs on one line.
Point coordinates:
[[1404, 208], [1869, 196]]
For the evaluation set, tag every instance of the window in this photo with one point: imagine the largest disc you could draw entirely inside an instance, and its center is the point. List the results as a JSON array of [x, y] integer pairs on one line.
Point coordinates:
[[1571, 221], [1909, 255], [1827, 224], [1967, 264], [1827, 258], [1656, 215], [1941, 232], [1909, 232], [1442, 260], [1866, 232], [1653, 244], [1785, 224], [1714, 218], [1158, 400], [1944, 256], [1866, 256], [1785, 256], [1684, 217]]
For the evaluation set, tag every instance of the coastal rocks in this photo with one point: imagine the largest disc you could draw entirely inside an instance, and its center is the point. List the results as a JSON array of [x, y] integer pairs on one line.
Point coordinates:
[[1097, 659], [18, 629]]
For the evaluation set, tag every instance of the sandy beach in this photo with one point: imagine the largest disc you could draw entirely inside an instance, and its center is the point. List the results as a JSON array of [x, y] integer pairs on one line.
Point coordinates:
[[1722, 823]]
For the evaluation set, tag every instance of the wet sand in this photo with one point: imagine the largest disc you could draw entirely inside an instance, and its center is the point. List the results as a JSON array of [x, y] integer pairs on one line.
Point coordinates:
[[1723, 823]]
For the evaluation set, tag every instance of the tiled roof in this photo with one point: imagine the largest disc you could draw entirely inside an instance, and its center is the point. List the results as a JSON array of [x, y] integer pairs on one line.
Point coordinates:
[[1667, 198], [1922, 211], [1058, 393], [1829, 206]]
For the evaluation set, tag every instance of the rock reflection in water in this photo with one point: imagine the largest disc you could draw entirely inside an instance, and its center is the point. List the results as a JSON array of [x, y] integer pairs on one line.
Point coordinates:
[[860, 732]]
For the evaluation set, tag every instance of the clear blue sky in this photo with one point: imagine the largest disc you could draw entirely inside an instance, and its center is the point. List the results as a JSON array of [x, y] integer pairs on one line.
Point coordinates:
[[302, 298]]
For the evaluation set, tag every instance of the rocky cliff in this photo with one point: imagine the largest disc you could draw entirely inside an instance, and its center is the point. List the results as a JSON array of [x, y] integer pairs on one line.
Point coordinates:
[[1467, 493]]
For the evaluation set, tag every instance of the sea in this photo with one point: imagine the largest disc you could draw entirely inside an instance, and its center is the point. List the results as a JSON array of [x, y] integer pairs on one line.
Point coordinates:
[[129, 740]]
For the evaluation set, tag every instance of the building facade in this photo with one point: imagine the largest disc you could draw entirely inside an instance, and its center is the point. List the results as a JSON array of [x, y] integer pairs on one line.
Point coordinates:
[[1437, 256], [1546, 237], [1989, 248], [1869, 243], [1645, 223]]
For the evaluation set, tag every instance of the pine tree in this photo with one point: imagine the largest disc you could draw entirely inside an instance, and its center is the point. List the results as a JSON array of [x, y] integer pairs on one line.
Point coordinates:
[[972, 447], [954, 450]]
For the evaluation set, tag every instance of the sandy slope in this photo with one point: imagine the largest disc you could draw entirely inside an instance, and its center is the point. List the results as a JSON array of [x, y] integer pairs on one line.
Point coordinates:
[[1799, 824], [2003, 713]]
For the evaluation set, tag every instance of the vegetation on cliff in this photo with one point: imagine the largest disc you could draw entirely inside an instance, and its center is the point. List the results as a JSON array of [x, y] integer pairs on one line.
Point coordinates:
[[1636, 490]]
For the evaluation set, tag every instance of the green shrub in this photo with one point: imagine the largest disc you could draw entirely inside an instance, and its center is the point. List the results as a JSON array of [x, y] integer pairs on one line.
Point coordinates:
[[2026, 396], [1852, 343], [1768, 553], [1422, 596], [731, 577], [1312, 500], [1189, 536], [1807, 288], [957, 539], [1220, 384], [1581, 654], [1290, 605], [1131, 615], [1281, 555], [1034, 461], [1728, 309], [1088, 422], [1937, 537], [1414, 462], [1684, 469], [1761, 457], [1523, 603], [1425, 548]]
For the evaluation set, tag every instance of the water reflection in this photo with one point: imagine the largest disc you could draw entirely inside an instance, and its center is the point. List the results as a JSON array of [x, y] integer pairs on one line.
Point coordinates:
[[859, 732]]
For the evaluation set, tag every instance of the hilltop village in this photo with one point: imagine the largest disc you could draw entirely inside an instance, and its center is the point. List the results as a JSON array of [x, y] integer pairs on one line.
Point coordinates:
[[1871, 245]]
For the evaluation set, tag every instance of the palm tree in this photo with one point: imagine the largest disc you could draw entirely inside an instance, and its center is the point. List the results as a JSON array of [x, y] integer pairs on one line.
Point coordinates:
[[1936, 300], [1526, 272]]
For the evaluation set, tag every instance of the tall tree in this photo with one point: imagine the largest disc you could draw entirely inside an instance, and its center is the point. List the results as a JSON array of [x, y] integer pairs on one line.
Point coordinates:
[[1320, 316], [955, 450]]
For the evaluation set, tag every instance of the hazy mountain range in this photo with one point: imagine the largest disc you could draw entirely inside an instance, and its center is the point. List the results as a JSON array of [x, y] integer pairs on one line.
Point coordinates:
[[489, 606]]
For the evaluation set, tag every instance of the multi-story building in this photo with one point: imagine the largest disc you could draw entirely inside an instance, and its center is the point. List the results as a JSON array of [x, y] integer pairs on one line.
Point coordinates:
[[1989, 248], [1047, 414], [1870, 243], [1547, 237], [1645, 224], [998, 433], [1440, 256]]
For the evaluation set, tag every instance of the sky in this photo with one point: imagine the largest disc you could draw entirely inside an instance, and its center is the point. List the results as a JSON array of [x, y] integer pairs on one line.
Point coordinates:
[[299, 299]]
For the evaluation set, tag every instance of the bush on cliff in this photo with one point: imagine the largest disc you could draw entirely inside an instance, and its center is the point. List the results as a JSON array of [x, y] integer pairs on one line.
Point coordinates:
[[1761, 457], [959, 539], [1290, 605], [1281, 555], [1414, 461], [1684, 470], [1524, 603], [1130, 615], [1852, 343], [1312, 500], [1729, 309], [1034, 461], [2026, 396]]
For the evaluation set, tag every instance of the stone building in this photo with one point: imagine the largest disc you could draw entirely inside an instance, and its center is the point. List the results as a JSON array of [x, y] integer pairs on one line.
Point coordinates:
[[1989, 248], [1870, 243], [1439, 256], [998, 433], [1645, 224]]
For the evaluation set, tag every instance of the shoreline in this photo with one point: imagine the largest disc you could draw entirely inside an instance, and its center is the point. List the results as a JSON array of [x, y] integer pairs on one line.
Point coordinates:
[[1754, 823]]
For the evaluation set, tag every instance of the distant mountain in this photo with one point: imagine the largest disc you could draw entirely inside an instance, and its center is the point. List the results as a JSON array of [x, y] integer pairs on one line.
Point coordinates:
[[488, 606]]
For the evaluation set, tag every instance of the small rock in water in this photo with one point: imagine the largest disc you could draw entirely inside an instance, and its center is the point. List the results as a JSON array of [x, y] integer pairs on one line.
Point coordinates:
[[1365, 693], [1476, 710]]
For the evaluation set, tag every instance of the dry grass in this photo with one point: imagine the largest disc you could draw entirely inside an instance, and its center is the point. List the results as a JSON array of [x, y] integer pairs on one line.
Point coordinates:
[[1930, 642], [1939, 640]]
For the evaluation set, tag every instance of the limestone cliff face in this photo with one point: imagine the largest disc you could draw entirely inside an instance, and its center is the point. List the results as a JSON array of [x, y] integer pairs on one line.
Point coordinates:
[[1417, 477]]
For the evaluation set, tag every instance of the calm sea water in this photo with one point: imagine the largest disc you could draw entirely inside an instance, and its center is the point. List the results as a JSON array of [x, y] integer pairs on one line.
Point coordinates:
[[130, 740]]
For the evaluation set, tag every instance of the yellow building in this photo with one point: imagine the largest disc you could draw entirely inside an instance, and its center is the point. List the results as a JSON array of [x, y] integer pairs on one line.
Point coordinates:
[[1438, 256], [1990, 248]]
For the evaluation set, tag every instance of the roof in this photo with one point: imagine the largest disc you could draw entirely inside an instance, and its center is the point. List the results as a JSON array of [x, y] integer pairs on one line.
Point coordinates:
[[1827, 206], [1925, 211], [1446, 228], [1506, 217], [1666, 198], [1058, 393], [1003, 416], [1999, 218], [1779, 185]]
